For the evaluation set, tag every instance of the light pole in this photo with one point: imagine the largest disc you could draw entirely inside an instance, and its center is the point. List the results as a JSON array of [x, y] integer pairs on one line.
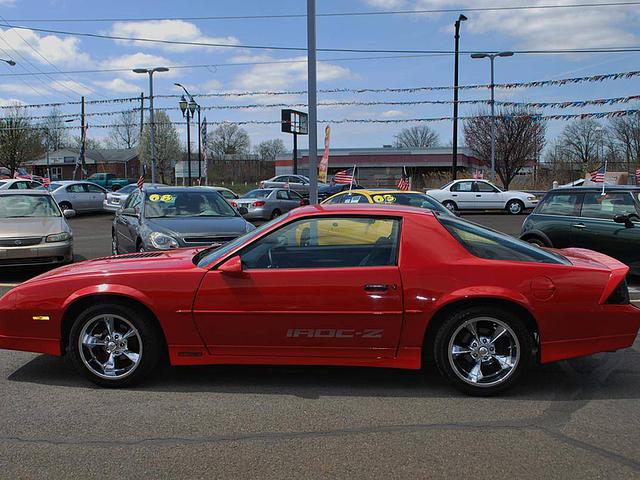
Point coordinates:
[[192, 101], [187, 111], [312, 101], [492, 57], [152, 126], [456, 37]]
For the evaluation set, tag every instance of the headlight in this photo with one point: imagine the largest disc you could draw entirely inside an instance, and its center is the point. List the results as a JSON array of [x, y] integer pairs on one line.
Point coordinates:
[[531, 198], [162, 242], [58, 237]]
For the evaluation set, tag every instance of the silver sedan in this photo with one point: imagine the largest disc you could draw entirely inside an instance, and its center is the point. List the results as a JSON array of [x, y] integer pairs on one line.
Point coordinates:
[[79, 196], [267, 203], [115, 200], [34, 230]]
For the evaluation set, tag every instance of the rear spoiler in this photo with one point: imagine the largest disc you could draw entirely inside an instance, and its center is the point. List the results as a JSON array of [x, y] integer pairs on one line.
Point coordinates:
[[618, 270]]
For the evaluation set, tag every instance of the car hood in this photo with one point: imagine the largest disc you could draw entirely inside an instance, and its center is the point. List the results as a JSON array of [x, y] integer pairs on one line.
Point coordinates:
[[198, 225], [31, 227]]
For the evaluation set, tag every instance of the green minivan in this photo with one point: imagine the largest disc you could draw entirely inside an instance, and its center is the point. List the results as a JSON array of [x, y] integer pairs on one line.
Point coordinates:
[[584, 217]]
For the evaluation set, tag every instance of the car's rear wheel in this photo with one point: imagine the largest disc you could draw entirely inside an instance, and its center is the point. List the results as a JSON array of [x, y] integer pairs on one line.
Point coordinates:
[[65, 206], [515, 207], [538, 242], [451, 206], [483, 350], [114, 345], [276, 213]]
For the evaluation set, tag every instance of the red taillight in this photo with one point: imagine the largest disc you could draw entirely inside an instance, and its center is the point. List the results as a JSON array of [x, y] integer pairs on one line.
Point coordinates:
[[234, 204], [302, 202], [259, 203]]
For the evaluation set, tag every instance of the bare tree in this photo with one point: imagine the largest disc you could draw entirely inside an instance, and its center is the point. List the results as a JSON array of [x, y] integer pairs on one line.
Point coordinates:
[[270, 149], [417, 137], [126, 133], [89, 143], [19, 140], [55, 135], [581, 140], [520, 137], [625, 132], [168, 149], [229, 138]]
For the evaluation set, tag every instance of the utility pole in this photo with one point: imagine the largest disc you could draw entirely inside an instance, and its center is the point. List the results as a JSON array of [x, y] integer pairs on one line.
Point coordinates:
[[454, 163], [141, 133], [312, 101], [84, 143], [199, 149]]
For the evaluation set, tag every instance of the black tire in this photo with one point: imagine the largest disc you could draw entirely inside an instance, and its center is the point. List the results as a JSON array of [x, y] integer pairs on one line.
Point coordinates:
[[450, 205], [537, 241], [65, 206], [514, 207], [148, 341], [139, 246], [276, 213], [453, 330]]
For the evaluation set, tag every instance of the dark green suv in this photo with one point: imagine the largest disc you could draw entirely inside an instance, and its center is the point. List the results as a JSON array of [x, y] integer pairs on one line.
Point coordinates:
[[583, 217]]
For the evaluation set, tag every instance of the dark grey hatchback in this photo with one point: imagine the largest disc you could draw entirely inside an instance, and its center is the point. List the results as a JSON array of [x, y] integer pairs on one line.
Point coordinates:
[[584, 217], [161, 218]]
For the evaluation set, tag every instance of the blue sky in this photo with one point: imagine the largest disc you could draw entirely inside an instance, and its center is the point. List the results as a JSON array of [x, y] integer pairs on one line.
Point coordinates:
[[528, 29]]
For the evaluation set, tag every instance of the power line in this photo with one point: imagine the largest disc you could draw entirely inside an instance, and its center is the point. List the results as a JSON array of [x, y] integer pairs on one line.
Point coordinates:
[[303, 49], [330, 14]]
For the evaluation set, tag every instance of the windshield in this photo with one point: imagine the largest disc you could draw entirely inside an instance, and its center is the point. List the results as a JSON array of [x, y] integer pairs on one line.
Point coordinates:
[[260, 193], [32, 206], [186, 204], [127, 188], [446, 185], [54, 186], [213, 254], [2, 183]]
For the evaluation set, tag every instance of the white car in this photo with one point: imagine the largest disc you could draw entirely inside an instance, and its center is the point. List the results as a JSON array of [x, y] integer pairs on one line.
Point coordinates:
[[482, 195], [19, 184]]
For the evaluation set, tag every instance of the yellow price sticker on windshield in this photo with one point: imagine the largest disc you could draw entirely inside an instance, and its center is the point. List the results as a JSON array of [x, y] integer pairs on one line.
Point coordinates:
[[389, 199], [378, 199], [167, 198], [154, 198]]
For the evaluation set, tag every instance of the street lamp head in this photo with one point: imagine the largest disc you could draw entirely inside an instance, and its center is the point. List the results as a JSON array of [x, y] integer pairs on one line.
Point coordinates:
[[140, 70], [479, 55], [183, 104], [11, 62], [505, 54], [178, 84], [462, 18], [161, 69], [192, 106]]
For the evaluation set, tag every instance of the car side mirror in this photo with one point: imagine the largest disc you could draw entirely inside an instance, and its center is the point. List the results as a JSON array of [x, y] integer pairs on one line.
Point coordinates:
[[233, 266], [243, 210], [304, 201], [129, 212], [623, 219], [69, 213]]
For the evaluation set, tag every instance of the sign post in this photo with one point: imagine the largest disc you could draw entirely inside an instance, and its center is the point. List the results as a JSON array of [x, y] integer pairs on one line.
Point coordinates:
[[296, 123]]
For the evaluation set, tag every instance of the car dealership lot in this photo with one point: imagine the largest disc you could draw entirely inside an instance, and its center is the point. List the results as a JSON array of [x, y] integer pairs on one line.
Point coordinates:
[[571, 419]]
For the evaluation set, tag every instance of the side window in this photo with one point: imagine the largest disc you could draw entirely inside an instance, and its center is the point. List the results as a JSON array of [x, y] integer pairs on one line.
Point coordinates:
[[282, 195], [226, 194], [355, 198], [295, 180], [608, 205], [133, 201], [76, 188], [94, 188], [561, 204], [336, 242], [281, 178], [337, 199], [485, 187], [294, 195], [462, 187]]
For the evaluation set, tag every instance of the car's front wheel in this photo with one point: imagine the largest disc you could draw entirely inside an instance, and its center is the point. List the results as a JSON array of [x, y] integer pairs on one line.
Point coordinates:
[[114, 345], [451, 206], [515, 207], [483, 350]]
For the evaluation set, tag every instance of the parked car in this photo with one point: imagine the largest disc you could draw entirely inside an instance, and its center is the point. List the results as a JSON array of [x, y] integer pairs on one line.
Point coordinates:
[[297, 183], [162, 218], [485, 306], [325, 190], [80, 196], [109, 181], [227, 193], [114, 200], [19, 184], [268, 203], [584, 217], [388, 197], [34, 229], [482, 195]]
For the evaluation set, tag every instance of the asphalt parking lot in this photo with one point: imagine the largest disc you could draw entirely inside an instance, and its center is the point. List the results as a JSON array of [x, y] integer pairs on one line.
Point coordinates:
[[572, 419]]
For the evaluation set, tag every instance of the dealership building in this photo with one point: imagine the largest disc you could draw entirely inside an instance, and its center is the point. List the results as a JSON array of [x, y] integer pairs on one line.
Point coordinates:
[[382, 167]]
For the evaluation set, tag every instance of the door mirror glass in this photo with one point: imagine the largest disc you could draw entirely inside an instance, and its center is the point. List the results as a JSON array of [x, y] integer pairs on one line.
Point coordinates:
[[69, 213], [232, 266], [623, 219]]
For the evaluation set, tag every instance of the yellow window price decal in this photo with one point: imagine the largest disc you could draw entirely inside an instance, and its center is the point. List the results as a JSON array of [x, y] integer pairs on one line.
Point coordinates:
[[390, 199], [378, 199], [154, 198], [167, 198]]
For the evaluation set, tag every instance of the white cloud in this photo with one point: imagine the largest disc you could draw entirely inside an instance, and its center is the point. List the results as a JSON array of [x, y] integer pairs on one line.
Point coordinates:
[[65, 51], [284, 75], [118, 85], [392, 114], [45, 89], [542, 28], [173, 30]]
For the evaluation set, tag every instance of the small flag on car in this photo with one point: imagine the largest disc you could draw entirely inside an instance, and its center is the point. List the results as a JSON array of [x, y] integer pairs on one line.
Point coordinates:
[[141, 177], [343, 177], [638, 176], [597, 176], [403, 183]]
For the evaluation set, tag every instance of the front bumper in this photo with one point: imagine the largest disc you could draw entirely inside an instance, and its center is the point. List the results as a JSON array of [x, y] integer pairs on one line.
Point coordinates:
[[36, 255]]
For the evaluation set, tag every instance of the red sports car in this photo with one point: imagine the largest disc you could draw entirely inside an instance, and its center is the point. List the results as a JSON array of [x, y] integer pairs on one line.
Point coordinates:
[[363, 285]]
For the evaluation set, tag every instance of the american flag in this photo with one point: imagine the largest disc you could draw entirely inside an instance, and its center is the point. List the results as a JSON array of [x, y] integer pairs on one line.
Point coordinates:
[[141, 177], [403, 183], [638, 176], [343, 177], [597, 176]]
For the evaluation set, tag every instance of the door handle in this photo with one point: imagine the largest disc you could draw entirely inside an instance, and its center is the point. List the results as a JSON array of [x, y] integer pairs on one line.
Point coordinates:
[[478, 195], [579, 225], [454, 194], [377, 287]]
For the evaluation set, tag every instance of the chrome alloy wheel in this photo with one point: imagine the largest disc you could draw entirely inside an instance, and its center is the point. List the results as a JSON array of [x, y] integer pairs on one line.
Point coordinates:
[[484, 351], [515, 208], [110, 346]]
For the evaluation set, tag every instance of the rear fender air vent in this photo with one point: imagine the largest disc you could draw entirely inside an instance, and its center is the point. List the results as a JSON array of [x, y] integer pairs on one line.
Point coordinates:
[[132, 255], [620, 296]]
